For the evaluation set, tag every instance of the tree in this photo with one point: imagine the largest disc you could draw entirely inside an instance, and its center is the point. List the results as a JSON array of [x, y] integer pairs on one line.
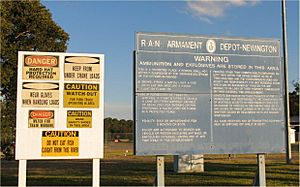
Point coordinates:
[[294, 100], [25, 26], [121, 128]]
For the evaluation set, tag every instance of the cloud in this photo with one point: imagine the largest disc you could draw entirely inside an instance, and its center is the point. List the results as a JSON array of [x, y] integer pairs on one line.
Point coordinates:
[[206, 10]]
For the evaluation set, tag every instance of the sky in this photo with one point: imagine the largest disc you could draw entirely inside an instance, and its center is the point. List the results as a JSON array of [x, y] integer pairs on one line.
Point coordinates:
[[109, 27]]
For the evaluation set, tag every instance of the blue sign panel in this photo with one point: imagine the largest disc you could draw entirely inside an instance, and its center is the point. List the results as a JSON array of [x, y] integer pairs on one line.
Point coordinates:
[[200, 95]]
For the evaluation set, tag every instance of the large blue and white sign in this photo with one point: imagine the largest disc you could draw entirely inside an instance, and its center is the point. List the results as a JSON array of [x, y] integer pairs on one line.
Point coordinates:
[[199, 95]]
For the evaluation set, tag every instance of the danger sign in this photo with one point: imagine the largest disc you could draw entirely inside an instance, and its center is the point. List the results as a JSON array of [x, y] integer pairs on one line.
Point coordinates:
[[40, 67], [41, 119]]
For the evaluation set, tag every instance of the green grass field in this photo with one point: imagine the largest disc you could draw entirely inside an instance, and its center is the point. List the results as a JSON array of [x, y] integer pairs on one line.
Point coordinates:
[[120, 170]]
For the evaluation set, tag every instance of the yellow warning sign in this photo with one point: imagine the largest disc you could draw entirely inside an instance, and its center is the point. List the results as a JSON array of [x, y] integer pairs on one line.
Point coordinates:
[[82, 68], [40, 94], [40, 67], [79, 119], [41, 119], [78, 95], [60, 143]]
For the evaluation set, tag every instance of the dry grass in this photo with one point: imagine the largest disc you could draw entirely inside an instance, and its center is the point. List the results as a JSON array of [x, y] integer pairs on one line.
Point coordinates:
[[120, 170]]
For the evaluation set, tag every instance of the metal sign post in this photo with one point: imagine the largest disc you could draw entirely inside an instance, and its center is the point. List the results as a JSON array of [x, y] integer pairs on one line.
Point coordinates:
[[260, 178], [22, 173], [287, 107], [96, 172], [160, 163]]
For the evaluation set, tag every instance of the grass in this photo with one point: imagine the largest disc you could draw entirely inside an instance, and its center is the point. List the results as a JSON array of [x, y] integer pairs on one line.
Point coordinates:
[[120, 170]]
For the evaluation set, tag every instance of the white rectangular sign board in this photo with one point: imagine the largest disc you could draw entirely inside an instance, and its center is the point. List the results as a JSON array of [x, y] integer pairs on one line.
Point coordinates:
[[60, 106]]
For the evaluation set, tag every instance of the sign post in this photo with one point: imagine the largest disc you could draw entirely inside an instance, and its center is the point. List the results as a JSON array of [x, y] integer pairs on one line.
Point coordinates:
[[287, 107], [22, 173], [60, 109], [96, 172], [260, 178], [160, 162]]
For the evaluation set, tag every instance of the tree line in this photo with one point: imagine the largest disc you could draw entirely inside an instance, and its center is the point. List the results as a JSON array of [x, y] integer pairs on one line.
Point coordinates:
[[116, 129], [114, 125]]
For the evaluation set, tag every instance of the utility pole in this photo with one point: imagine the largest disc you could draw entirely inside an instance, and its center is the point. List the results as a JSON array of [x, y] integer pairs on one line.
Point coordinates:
[[287, 107]]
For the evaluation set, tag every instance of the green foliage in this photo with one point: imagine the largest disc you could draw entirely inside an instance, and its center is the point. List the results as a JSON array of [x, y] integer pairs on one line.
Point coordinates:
[[118, 129], [113, 125], [294, 100], [25, 26]]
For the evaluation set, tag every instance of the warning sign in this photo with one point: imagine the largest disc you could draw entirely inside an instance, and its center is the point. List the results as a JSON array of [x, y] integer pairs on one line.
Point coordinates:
[[38, 67], [82, 68], [41, 119], [79, 95], [38, 94], [79, 119], [60, 143], [60, 95]]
